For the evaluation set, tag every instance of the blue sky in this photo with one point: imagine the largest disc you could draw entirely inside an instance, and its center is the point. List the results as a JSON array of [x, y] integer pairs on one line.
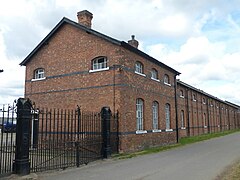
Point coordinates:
[[200, 39]]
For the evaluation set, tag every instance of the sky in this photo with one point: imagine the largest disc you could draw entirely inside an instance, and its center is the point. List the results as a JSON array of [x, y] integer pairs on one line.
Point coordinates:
[[200, 39]]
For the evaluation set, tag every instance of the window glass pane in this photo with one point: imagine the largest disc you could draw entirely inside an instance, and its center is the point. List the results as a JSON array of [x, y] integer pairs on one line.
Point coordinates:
[[167, 111], [155, 115], [139, 114], [166, 79], [39, 73], [154, 74], [99, 63], [182, 119], [138, 67]]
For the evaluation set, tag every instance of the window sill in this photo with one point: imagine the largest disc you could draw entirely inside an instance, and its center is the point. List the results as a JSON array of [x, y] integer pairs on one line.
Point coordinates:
[[40, 79], [97, 70], [144, 75], [169, 130], [156, 130], [205, 126], [167, 84], [182, 97], [141, 132], [155, 79], [183, 128]]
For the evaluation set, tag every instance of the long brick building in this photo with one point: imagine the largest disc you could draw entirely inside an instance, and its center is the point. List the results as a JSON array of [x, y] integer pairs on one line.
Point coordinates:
[[76, 65]]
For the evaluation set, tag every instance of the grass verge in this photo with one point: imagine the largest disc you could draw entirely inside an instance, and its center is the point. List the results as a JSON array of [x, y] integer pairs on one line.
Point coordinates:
[[182, 142], [231, 172]]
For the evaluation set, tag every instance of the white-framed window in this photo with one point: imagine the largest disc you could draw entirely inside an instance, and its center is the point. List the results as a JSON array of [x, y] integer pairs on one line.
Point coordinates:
[[181, 94], [139, 67], [204, 120], [139, 114], [194, 97], [203, 100], [166, 79], [167, 115], [154, 74], [182, 120], [155, 115], [39, 74], [99, 63]]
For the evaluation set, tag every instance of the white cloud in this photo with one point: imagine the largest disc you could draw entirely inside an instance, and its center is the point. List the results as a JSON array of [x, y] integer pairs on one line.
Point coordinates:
[[174, 25], [204, 64], [12, 79]]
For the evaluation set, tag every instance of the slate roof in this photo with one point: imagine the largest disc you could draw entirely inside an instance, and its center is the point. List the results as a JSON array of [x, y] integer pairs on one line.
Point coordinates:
[[206, 94], [98, 34]]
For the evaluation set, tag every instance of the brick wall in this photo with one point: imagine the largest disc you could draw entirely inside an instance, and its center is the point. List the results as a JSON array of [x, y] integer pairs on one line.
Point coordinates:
[[205, 114], [66, 59]]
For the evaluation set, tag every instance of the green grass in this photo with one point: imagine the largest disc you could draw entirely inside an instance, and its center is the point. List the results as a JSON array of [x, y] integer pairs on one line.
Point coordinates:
[[182, 142], [193, 139], [231, 172]]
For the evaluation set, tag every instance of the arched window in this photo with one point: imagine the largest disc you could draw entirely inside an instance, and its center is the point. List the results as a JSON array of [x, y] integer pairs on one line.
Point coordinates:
[[139, 114], [166, 79], [167, 114], [194, 97], [99, 63], [154, 74], [182, 119], [155, 115], [203, 101], [39, 73], [139, 67], [181, 94]]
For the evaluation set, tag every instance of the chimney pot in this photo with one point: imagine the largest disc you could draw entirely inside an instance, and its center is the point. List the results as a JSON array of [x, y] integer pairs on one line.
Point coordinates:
[[85, 18], [133, 42]]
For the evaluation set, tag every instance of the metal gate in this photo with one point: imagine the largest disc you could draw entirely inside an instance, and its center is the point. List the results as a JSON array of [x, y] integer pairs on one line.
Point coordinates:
[[46, 139], [7, 138]]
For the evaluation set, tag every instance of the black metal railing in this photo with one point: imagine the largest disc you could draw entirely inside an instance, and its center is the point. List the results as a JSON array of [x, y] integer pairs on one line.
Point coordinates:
[[65, 138], [39, 139], [7, 138]]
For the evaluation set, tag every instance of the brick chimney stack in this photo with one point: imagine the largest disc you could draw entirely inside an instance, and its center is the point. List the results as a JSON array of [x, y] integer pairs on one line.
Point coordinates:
[[133, 42], [85, 18]]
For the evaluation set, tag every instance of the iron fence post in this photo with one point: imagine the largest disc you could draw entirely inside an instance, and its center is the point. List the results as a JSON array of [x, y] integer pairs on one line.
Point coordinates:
[[106, 117], [35, 128], [78, 138], [77, 154], [21, 164]]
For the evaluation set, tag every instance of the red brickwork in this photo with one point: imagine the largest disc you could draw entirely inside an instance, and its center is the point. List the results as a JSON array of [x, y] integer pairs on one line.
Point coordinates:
[[67, 58], [205, 114]]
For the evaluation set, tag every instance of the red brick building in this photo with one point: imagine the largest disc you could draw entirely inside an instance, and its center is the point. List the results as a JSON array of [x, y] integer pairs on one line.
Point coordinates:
[[76, 65], [200, 112]]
